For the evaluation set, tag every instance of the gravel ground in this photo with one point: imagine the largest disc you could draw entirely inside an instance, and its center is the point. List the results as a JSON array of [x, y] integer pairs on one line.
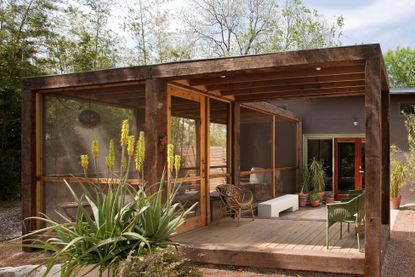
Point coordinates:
[[400, 256], [10, 220]]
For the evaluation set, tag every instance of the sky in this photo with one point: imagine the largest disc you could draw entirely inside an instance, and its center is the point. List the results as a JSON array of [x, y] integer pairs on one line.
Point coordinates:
[[388, 22]]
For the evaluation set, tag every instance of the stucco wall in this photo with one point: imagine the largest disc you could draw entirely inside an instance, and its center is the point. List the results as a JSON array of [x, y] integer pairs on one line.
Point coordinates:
[[336, 116]]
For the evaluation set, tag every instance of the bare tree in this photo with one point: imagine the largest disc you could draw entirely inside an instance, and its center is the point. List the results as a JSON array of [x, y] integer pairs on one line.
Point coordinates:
[[242, 27]]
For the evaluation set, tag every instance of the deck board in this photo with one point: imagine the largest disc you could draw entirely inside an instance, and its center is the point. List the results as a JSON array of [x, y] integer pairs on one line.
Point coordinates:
[[289, 244]]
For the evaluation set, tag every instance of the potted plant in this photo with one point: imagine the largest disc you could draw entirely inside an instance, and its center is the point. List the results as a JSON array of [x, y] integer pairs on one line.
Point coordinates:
[[315, 199], [317, 177], [329, 197], [399, 174], [303, 195]]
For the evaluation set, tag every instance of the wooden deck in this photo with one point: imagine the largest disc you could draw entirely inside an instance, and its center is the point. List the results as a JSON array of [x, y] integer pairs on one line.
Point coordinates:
[[273, 243]]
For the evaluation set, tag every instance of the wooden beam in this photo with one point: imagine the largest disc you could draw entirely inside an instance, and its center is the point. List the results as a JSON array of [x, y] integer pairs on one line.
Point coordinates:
[[386, 159], [156, 131], [291, 58], [183, 70], [282, 82], [299, 151], [272, 109], [28, 173], [299, 94], [236, 151], [373, 175], [288, 73], [286, 88]]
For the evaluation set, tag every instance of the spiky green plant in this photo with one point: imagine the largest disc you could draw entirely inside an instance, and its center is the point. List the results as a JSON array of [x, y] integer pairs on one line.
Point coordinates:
[[317, 175], [399, 175], [305, 180]]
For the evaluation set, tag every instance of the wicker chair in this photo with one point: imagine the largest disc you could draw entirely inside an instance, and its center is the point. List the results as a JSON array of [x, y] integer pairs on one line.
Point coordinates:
[[234, 201], [350, 212]]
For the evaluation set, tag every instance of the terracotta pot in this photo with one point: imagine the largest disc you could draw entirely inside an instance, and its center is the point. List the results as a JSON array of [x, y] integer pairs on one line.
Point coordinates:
[[329, 199], [315, 203], [303, 199], [396, 202]]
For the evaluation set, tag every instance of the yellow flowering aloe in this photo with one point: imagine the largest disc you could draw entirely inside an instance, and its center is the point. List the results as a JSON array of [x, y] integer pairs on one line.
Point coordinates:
[[140, 152], [177, 164], [170, 158], [110, 159], [130, 147], [85, 163], [95, 152], [124, 132]]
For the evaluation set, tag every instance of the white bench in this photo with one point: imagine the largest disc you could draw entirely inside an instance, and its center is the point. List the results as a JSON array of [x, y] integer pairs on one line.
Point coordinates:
[[273, 207]]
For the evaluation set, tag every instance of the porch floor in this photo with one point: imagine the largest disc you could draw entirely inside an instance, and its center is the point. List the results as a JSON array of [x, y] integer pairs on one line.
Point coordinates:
[[274, 243]]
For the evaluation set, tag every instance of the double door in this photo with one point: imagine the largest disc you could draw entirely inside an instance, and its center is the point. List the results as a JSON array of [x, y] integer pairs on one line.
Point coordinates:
[[349, 165]]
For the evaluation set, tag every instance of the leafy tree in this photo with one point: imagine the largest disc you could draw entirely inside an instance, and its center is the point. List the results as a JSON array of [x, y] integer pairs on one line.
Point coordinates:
[[83, 40], [24, 28], [400, 64]]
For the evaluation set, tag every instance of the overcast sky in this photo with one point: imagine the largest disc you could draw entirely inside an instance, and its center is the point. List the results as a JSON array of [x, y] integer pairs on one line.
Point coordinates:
[[388, 22]]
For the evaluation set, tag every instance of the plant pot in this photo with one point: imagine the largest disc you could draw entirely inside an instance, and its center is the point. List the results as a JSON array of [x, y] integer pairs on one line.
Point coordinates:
[[395, 202], [303, 199], [315, 203], [329, 200]]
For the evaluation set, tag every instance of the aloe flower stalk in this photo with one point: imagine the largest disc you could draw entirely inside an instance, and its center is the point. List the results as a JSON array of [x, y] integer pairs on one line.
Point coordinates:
[[110, 159], [130, 148], [95, 152], [85, 163], [170, 157], [140, 152], [124, 142], [177, 164]]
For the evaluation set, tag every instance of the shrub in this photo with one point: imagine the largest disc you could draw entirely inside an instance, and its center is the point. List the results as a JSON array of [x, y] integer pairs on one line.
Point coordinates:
[[317, 175], [161, 262]]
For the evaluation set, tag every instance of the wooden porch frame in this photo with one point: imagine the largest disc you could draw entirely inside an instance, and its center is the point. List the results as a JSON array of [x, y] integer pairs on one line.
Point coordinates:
[[156, 77]]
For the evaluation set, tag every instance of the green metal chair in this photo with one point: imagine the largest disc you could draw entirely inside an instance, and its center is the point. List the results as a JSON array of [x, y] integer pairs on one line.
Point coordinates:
[[350, 212]]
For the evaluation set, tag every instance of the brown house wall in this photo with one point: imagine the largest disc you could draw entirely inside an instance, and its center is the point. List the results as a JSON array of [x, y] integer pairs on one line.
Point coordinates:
[[336, 116]]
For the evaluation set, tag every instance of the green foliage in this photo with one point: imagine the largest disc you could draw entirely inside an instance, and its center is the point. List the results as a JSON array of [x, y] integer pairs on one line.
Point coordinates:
[[317, 175], [162, 262], [400, 64], [305, 179], [111, 222], [399, 175], [24, 29], [315, 196]]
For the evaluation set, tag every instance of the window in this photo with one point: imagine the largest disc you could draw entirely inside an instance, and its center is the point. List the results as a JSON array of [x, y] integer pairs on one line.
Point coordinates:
[[407, 108]]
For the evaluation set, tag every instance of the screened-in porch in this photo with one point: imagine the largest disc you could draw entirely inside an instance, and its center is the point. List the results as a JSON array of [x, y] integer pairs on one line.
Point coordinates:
[[215, 114]]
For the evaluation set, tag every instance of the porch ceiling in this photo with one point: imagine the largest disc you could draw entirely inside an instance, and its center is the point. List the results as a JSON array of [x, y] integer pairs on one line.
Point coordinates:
[[329, 72]]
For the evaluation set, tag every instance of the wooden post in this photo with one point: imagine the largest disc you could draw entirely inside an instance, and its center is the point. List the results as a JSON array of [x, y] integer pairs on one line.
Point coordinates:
[[373, 178], [274, 165], [28, 171], [299, 148], [155, 131], [385, 159], [236, 154]]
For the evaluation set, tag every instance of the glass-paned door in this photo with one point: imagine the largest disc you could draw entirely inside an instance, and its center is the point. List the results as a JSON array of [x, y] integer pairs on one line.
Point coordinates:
[[186, 133], [349, 168]]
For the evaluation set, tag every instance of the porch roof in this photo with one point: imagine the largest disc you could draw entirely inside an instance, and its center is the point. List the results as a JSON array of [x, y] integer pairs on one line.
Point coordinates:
[[338, 71]]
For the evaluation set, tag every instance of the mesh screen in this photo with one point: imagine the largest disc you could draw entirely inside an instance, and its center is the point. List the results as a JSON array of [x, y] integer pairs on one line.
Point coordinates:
[[285, 182], [66, 135], [285, 140]]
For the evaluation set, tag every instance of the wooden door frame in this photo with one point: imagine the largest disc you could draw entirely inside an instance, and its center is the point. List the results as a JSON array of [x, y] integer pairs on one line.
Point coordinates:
[[183, 93], [357, 162]]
